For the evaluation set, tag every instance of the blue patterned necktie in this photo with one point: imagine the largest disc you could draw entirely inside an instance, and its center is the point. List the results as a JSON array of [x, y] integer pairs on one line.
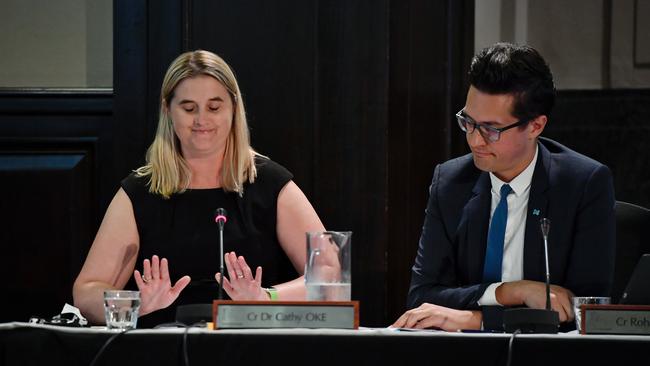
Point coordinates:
[[494, 252]]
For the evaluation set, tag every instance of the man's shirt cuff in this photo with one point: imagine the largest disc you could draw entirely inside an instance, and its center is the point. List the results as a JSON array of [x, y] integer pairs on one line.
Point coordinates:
[[489, 297]]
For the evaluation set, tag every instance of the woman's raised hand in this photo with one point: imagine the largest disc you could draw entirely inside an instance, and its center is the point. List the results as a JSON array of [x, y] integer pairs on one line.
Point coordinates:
[[156, 291], [242, 285]]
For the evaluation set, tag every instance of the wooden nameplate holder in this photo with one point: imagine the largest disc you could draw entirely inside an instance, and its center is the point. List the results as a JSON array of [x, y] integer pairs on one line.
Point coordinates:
[[615, 319], [228, 314]]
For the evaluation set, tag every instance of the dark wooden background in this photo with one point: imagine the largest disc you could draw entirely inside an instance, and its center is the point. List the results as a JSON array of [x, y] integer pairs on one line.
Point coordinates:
[[355, 97]]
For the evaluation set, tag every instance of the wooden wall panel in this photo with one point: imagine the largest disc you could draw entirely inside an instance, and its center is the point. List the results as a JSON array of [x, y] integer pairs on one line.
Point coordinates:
[[428, 63], [49, 208], [613, 127], [352, 142], [272, 47]]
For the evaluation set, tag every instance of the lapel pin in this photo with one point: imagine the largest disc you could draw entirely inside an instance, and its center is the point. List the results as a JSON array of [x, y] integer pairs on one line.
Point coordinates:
[[536, 212]]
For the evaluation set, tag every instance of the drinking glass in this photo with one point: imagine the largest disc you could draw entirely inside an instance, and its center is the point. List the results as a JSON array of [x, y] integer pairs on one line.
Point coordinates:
[[586, 300], [121, 309]]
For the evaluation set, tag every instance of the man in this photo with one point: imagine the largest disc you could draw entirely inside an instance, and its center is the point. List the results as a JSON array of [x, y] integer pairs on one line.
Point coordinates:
[[481, 245]]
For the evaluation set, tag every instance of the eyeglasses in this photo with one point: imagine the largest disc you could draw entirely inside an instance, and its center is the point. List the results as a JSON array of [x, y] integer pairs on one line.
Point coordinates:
[[492, 134]]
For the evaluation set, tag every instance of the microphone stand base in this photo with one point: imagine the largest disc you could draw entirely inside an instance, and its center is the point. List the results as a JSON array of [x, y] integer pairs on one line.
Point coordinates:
[[526, 320], [190, 314]]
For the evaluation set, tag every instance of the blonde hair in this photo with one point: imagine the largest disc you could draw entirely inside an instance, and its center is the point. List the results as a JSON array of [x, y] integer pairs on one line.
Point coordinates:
[[166, 168]]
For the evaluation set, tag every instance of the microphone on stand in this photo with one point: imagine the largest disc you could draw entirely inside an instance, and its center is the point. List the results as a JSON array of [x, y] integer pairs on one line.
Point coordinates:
[[220, 217], [546, 226], [528, 320], [194, 313]]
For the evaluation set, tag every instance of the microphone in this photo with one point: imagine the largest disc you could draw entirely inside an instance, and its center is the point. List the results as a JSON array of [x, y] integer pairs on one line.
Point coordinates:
[[546, 226], [528, 320], [220, 217]]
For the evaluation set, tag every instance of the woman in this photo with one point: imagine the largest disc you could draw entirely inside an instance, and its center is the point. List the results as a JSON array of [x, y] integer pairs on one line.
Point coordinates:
[[200, 160]]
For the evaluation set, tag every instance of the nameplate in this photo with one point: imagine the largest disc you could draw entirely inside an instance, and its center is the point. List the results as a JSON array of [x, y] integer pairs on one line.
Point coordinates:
[[228, 314], [615, 319]]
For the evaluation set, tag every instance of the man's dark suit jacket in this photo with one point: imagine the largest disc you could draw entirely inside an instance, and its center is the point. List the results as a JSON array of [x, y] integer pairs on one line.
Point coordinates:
[[576, 193]]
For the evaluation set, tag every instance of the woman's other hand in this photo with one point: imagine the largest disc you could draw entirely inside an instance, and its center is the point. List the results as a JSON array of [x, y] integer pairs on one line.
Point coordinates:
[[242, 285]]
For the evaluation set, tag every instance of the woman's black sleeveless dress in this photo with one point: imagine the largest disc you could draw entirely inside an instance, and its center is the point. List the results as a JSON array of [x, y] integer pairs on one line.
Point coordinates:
[[182, 229]]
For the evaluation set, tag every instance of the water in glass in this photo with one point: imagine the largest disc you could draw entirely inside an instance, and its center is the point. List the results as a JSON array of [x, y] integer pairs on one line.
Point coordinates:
[[121, 311]]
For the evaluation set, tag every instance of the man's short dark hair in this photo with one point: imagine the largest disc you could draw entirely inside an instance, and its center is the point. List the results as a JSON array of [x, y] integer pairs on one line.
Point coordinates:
[[504, 68]]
